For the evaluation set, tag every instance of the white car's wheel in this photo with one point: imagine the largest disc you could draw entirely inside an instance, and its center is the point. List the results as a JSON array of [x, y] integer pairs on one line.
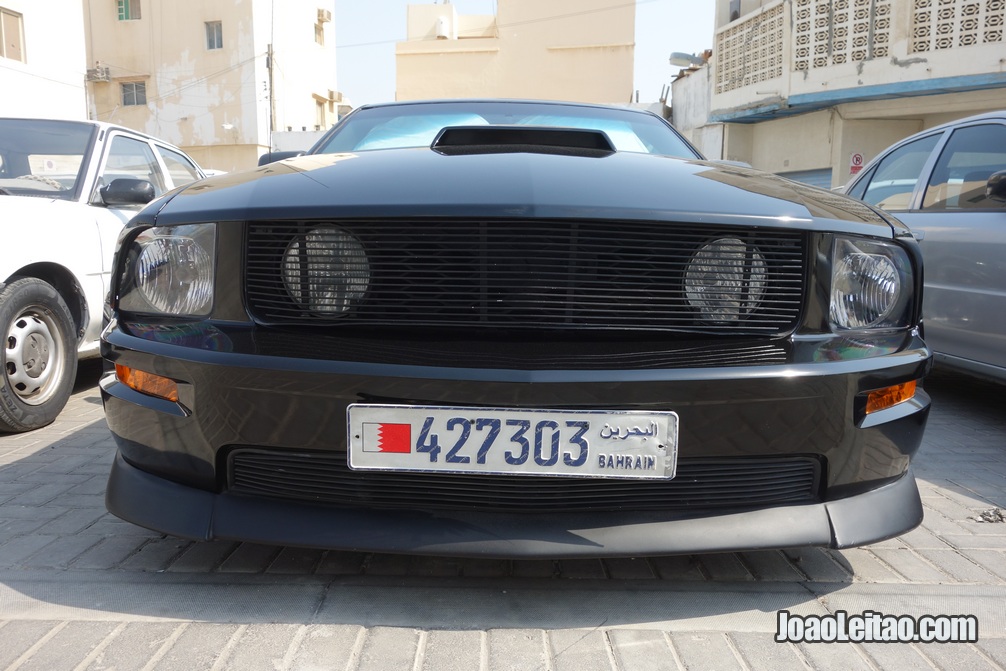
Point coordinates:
[[38, 356]]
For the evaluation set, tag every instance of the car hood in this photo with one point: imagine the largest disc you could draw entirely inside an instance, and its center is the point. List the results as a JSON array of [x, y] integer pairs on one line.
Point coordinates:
[[417, 183]]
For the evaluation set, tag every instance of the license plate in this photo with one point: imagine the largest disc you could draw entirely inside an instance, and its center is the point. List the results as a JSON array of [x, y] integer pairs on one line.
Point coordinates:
[[575, 443]]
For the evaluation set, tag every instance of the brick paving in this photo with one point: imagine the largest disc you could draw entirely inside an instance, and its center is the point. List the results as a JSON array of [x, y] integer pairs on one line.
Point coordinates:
[[80, 589]]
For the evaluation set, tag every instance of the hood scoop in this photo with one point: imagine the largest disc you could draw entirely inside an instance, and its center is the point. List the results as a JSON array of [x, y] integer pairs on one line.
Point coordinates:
[[456, 140]]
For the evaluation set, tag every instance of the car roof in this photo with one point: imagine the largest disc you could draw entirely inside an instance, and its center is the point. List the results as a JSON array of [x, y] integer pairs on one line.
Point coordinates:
[[998, 115], [100, 125], [504, 101]]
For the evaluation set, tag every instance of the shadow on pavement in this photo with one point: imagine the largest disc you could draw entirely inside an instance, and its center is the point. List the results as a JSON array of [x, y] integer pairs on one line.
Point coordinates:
[[88, 373], [60, 553]]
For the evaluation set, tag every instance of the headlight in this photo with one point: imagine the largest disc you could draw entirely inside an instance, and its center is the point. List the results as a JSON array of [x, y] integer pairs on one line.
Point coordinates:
[[725, 280], [326, 271], [169, 271], [871, 285]]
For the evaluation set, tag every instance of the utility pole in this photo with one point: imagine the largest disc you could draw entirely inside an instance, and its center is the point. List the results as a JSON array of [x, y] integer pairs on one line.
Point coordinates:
[[272, 94]]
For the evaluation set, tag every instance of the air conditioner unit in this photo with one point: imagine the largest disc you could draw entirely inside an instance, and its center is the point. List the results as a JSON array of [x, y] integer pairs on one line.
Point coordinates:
[[443, 28], [324, 15], [98, 74]]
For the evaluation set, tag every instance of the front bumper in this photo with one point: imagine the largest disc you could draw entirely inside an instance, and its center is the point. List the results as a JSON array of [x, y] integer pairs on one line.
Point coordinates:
[[236, 391], [171, 508]]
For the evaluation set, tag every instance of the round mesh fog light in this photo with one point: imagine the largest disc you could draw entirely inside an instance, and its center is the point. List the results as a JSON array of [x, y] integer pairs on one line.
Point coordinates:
[[725, 280], [326, 270]]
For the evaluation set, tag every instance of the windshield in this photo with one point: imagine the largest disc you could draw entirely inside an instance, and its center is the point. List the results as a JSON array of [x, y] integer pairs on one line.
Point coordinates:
[[42, 157], [417, 124]]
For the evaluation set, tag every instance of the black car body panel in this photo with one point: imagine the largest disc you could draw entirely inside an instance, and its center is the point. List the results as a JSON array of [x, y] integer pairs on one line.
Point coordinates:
[[423, 183], [255, 396], [519, 280]]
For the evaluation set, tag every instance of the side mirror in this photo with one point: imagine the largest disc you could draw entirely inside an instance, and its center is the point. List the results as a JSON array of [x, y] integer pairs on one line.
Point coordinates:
[[274, 156], [124, 192], [995, 189]]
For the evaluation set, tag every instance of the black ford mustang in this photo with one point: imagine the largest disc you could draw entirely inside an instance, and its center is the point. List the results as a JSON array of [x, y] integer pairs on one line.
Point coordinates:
[[515, 329]]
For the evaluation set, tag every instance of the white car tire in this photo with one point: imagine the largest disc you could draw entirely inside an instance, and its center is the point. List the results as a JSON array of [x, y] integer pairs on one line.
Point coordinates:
[[38, 355]]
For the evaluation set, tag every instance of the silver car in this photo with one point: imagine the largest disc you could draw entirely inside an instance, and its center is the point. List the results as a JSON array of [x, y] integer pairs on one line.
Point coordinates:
[[948, 184]]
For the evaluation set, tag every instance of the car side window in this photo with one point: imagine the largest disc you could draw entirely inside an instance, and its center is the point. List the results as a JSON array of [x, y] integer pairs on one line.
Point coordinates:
[[133, 159], [968, 160], [859, 187], [894, 180], [180, 168]]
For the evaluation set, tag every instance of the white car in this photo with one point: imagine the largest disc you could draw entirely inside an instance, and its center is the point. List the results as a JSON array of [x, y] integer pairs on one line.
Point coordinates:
[[66, 189]]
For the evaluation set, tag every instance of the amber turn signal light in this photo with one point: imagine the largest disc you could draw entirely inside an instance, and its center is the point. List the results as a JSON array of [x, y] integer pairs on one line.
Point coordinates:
[[147, 383], [888, 396]]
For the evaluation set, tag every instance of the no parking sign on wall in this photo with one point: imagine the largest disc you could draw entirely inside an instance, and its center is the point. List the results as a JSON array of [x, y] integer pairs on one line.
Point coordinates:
[[855, 163]]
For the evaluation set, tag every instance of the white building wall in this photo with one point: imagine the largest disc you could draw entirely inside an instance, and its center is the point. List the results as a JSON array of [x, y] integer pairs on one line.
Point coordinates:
[[558, 50], [221, 104], [690, 112], [304, 71], [295, 140], [50, 83]]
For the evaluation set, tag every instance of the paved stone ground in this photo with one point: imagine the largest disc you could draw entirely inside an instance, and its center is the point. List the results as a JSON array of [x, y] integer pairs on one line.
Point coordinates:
[[80, 589]]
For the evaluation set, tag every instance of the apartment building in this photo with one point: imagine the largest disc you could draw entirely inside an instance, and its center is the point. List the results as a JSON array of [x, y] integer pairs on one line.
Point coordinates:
[[215, 77], [814, 89], [42, 61], [579, 50]]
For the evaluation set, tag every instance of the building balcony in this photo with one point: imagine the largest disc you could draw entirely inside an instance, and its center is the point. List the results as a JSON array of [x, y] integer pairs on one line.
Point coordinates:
[[795, 56]]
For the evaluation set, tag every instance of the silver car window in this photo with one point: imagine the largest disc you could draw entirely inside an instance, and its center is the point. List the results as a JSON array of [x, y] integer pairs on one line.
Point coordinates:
[[970, 157], [894, 180]]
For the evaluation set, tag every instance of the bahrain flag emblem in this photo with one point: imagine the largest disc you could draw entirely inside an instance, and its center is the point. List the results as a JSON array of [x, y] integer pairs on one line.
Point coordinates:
[[380, 437]]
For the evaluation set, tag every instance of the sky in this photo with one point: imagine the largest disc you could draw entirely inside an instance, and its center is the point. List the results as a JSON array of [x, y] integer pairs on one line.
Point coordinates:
[[366, 32]]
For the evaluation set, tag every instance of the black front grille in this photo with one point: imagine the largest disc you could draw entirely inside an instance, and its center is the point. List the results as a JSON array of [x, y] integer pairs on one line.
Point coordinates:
[[516, 352], [700, 484], [569, 275]]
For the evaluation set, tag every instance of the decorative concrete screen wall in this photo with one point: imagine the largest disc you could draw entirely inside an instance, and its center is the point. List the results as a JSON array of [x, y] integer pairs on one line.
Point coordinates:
[[831, 32], [945, 24], [750, 51], [814, 53]]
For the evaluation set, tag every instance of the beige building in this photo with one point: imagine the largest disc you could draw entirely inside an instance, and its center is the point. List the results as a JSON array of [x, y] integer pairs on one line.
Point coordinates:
[[215, 77], [580, 50], [41, 60], [813, 89]]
